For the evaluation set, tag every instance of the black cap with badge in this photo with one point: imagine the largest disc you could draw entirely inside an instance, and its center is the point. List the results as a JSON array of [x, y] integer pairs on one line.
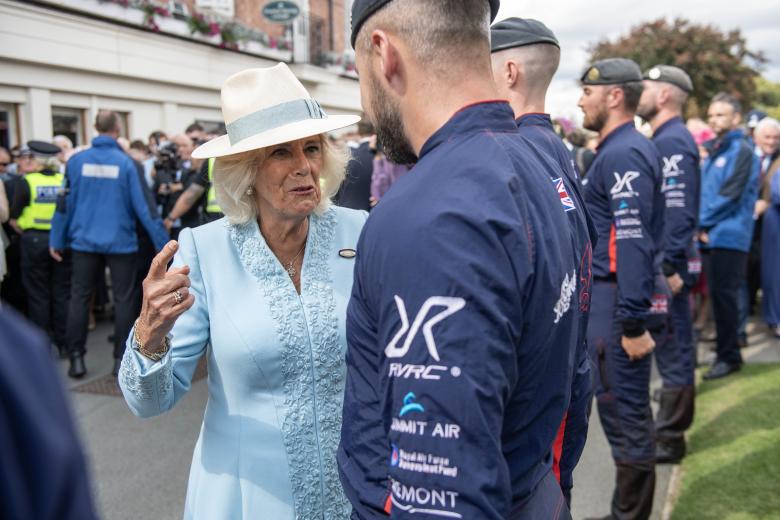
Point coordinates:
[[669, 74], [363, 9], [518, 32], [612, 71], [38, 148]]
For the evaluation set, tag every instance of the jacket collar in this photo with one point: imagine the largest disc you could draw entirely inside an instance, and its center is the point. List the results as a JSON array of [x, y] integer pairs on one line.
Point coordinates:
[[721, 144], [535, 119], [490, 116], [104, 141], [676, 120], [616, 132]]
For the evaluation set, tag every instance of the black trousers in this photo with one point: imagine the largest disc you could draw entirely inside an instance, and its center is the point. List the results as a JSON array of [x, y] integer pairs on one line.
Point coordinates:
[[123, 281], [725, 270], [47, 285], [12, 290]]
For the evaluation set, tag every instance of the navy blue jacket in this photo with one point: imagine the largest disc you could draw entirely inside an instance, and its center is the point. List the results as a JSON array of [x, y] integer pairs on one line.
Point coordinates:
[[680, 157], [461, 329], [729, 192], [42, 471], [103, 199], [539, 130], [355, 191], [623, 194]]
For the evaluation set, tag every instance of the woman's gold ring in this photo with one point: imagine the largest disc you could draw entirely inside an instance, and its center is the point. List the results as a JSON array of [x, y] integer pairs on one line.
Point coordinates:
[[178, 297]]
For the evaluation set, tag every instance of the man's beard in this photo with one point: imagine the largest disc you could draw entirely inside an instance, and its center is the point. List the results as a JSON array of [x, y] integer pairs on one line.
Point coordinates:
[[647, 113], [597, 121], [389, 126]]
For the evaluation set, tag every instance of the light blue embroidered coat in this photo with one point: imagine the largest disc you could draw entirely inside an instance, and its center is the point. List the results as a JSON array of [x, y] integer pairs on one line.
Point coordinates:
[[267, 447]]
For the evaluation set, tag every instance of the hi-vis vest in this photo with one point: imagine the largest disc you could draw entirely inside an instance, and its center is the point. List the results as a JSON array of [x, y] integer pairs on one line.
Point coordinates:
[[211, 198], [43, 201]]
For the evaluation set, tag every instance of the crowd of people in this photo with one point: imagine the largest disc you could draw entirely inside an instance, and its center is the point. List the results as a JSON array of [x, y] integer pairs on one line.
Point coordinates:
[[572, 259]]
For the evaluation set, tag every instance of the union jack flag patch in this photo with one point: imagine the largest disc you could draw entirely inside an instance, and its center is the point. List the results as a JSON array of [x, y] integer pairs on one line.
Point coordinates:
[[566, 202]]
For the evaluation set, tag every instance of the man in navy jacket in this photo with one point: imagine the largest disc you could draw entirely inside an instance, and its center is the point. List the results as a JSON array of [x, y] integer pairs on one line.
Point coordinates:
[[666, 90], [42, 470], [96, 219], [525, 55], [623, 195], [728, 196], [463, 324]]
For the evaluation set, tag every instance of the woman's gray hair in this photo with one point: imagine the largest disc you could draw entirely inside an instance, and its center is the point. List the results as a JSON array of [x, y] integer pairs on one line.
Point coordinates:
[[233, 174]]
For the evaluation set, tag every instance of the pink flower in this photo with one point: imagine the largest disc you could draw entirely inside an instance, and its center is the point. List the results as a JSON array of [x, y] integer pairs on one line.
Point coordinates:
[[214, 29]]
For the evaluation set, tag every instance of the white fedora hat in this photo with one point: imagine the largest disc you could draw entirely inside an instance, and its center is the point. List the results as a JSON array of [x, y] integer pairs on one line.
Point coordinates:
[[264, 107]]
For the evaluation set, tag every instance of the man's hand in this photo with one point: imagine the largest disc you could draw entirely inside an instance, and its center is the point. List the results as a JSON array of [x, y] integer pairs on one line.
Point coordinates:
[[638, 347], [15, 226], [704, 237], [56, 254], [168, 223], [675, 283], [760, 208]]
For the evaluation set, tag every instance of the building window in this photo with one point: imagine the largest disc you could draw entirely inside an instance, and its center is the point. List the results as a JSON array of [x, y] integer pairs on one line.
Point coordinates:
[[70, 123], [9, 129], [225, 8], [212, 127]]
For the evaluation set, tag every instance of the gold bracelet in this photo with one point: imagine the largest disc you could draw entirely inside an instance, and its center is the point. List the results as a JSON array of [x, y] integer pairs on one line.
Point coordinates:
[[140, 348]]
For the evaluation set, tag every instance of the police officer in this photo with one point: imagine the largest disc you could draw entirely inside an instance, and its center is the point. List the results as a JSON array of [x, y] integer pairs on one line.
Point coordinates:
[[624, 197], [525, 55], [666, 89], [46, 282], [96, 218]]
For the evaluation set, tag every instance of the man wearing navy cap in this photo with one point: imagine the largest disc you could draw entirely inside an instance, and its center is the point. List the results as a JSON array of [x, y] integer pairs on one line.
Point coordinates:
[[525, 56], [630, 297], [666, 89], [46, 282], [463, 324]]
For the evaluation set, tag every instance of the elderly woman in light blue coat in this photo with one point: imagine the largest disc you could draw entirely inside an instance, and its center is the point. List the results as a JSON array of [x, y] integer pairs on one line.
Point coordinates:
[[261, 294]]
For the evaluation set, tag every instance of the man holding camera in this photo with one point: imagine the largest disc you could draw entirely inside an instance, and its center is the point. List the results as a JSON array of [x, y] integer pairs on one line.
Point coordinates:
[[175, 174]]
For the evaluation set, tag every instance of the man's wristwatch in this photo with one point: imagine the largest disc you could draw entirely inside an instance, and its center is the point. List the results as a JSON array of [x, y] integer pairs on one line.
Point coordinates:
[[154, 356]]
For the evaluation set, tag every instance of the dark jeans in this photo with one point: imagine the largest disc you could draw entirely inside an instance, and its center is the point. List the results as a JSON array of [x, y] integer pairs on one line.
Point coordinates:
[[725, 270], [47, 284], [123, 281]]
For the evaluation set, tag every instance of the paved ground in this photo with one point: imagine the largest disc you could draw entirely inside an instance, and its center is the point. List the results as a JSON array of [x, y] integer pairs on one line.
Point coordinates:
[[139, 467]]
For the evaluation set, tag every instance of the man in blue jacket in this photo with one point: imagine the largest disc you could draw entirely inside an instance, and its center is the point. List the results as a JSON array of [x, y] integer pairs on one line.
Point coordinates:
[[666, 90], [96, 219], [525, 55], [728, 196], [463, 324], [623, 195]]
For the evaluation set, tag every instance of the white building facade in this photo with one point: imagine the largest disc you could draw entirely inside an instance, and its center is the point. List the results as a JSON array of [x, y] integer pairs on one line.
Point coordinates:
[[62, 61]]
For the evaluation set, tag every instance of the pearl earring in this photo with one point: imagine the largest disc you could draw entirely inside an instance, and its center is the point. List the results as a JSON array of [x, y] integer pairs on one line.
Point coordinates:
[[250, 190]]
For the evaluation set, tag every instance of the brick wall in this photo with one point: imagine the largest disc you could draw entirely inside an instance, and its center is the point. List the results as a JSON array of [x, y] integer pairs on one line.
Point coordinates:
[[249, 12]]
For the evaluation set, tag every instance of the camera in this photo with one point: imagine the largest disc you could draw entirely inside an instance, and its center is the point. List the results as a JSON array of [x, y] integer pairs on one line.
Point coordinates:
[[167, 157]]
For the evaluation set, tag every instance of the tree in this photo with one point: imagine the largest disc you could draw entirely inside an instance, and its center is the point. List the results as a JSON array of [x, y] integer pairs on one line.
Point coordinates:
[[716, 61], [768, 97]]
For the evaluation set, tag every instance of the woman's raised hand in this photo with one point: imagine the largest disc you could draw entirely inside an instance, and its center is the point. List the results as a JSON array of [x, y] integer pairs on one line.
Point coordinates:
[[166, 297]]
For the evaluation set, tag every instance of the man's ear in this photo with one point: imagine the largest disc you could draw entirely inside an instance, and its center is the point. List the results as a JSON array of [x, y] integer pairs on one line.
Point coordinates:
[[390, 60], [614, 97], [663, 96], [513, 73]]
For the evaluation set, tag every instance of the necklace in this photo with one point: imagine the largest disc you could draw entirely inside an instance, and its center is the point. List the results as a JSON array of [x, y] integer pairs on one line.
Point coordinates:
[[290, 266]]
